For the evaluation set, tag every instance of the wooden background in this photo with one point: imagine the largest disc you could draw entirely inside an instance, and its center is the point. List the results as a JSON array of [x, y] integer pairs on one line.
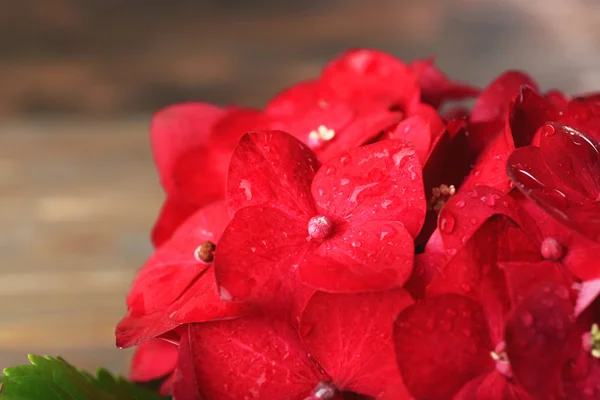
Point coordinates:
[[78, 80]]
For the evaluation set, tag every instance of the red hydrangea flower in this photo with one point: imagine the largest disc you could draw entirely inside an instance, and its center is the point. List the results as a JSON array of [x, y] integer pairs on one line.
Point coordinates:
[[176, 285], [366, 246], [562, 176], [347, 226]]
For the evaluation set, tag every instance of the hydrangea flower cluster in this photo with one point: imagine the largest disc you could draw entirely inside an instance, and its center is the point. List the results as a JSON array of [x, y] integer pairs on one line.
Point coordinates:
[[366, 236]]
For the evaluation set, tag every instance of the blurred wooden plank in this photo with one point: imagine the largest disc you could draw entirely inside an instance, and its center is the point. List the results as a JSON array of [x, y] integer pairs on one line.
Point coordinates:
[[78, 200]]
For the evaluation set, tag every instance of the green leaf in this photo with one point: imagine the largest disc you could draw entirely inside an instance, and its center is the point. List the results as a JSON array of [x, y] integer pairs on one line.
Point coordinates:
[[48, 378]]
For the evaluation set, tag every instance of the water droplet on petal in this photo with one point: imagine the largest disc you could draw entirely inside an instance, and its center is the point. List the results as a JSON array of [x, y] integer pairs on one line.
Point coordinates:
[[224, 294], [345, 159], [356, 244], [489, 201], [548, 130], [465, 287], [451, 251], [473, 193], [467, 332], [447, 223], [460, 204], [330, 171]]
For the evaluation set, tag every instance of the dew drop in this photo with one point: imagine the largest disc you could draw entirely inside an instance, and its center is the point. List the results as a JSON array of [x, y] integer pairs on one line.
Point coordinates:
[[473, 221], [489, 200], [465, 287], [548, 130], [330, 171], [447, 223], [451, 251], [356, 244], [467, 332], [224, 294], [345, 159], [473, 193], [460, 204]]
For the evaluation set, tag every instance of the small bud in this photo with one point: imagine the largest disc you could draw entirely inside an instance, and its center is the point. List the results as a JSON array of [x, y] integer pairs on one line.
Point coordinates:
[[205, 252]]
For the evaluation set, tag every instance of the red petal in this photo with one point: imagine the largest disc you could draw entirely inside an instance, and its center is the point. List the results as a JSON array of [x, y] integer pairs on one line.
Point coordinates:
[[527, 170], [363, 129], [492, 386], [199, 175], [375, 255], [251, 357], [437, 125], [296, 100], [493, 103], [527, 114], [537, 339], [584, 115], [172, 214], [199, 303], [473, 270], [427, 265], [173, 266], [441, 343], [382, 78], [415, 130], [257, 257], [380, 181], [581, 377], [185, 383], [464, 213], [523, 277], [490, 168], [152, 360], [572, 157], [272, 167], [228, 131], [177, 128], [436, 88], [557, 98], [350, 336], [579, 252]]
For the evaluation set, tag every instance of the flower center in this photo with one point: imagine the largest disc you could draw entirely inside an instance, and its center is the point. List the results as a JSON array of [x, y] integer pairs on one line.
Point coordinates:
[[205, 252], [323, 391], [439, 196], [319, 227], [320, 135], [501, 358], [591, 341], [551, 249]]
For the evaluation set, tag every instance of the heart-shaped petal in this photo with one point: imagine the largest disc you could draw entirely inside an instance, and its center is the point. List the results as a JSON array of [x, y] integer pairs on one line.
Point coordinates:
[[350, 336], [380, 181], [252, 357], [442, 339], [272, 167]]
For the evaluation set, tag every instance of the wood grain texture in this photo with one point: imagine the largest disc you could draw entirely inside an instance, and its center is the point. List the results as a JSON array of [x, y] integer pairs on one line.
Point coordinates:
[[79, 192], [78, 202]]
